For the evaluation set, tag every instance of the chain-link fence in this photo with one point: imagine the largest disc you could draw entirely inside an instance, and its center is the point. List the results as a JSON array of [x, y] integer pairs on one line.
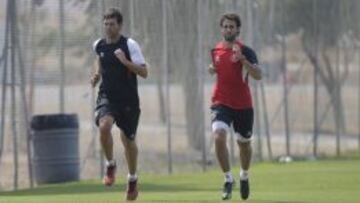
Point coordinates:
[[307, 105]]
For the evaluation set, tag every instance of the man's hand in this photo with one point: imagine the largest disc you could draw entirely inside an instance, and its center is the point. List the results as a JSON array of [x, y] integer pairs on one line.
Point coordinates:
[[120, 55], [211, 69], [237, 54], [137, 69], [94, 79]]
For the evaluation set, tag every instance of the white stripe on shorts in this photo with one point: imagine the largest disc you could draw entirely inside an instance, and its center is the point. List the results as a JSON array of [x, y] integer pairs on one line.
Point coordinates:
[[241, 138], [218, 125]]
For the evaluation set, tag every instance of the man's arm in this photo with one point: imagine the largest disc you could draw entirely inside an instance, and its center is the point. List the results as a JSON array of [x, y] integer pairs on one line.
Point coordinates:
[[249, 60], [95, 77], [137, 64], [211, 69], [140, 70], [252, 69]]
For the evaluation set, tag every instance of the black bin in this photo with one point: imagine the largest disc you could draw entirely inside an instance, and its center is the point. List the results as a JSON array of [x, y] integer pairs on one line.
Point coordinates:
[[55, 144]]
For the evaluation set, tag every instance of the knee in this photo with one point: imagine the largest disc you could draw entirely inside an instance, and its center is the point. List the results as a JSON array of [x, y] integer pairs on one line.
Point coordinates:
[[244, 145], [220, 129], [105, 126], [220, 136], [243, 141], [130, 145]]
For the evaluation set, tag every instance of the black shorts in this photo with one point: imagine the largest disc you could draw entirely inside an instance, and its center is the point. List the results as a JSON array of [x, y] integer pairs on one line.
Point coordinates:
[[242, 120], [125, 117]]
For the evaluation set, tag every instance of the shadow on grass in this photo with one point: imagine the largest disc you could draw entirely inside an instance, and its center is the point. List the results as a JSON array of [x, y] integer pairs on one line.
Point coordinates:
[[94, 187], [86, 188], [97, 187], [211, 201], [272, 201]]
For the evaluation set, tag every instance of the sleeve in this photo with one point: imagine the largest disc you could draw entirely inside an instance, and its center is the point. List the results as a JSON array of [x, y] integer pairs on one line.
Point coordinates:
[[95, 44], [135, 52], [250, 55]]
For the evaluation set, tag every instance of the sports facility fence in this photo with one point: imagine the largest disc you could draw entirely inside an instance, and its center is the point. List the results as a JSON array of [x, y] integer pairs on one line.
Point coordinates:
[[306, 106]]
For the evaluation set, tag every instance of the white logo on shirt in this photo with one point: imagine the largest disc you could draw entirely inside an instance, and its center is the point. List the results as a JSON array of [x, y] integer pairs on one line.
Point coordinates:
[[102, 54], [217, 59]]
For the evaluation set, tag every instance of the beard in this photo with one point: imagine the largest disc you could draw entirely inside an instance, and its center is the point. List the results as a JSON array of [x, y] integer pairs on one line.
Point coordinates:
[[230, 38]]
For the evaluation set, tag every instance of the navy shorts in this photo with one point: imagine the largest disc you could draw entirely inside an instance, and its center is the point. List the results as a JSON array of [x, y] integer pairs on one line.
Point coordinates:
[[125, 117], [241, 120]]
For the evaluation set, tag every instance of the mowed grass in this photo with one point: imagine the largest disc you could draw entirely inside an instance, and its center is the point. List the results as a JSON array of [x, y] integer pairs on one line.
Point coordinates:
[[328, 181]]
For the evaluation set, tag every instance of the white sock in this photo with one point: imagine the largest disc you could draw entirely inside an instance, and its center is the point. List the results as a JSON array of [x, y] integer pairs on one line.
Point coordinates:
[[110, 163], [132, 177], [228, 177], [244, 175]]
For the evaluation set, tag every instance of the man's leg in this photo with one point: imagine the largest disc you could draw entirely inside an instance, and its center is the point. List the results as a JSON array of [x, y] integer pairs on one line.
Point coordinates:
[[245, 160], [105, 125], [245, 150], [221, 149], [127, 121], [131, 155], [222, 153], [243, 127], [221, 121]]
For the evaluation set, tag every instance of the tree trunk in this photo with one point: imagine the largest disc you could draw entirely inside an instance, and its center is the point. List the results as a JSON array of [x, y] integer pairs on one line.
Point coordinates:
[[194, 114], [159, 84], [332, 86], [338, 113], [194, 119]]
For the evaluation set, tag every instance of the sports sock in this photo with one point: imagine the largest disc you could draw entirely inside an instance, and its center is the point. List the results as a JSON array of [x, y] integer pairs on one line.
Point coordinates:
[[228, 177], [132, 177], [110, 163], [244, 174]]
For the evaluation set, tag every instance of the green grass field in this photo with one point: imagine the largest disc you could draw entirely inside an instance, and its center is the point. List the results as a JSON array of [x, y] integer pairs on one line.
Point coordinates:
[[336, 181]]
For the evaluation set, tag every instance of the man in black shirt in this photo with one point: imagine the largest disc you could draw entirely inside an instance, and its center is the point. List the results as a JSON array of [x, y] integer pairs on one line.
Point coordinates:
[[120, 60]]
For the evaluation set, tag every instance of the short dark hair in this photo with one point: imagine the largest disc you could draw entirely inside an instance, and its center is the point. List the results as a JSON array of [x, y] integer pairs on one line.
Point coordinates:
[[231, 16], [114, 13]]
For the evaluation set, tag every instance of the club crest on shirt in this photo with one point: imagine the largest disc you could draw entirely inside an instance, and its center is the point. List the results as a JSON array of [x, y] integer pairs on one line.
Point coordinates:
[[217, 59], [102, 54]]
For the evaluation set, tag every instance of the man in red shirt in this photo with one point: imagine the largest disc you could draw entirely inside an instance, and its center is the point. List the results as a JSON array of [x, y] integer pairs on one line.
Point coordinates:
[[233, 63]]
